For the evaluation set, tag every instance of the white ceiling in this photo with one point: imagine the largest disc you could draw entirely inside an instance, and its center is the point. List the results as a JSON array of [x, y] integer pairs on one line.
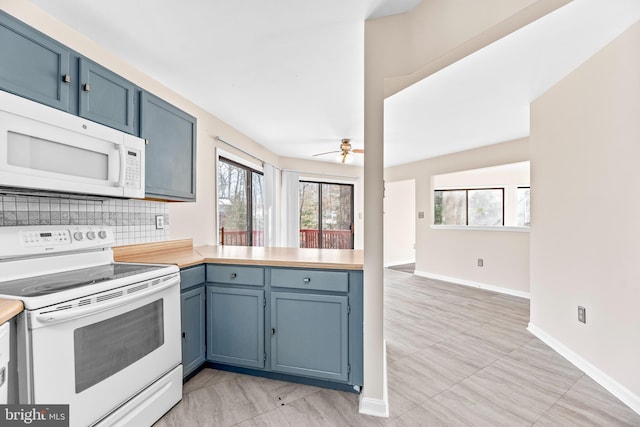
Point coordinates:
[[289, 73], [484, 98]]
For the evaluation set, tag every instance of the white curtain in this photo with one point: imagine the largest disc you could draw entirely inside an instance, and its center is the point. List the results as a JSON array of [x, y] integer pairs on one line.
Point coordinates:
[[271, 210], [290, 210]]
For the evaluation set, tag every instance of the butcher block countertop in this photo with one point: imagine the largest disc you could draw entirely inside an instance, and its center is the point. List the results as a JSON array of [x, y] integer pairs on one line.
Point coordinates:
[[183, 254], [179, 252], [343, 259], [9, 308]]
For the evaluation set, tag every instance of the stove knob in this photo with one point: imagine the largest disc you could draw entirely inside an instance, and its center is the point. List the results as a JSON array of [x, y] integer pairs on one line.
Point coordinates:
[[91, 235], [102, 234], [77, 235]]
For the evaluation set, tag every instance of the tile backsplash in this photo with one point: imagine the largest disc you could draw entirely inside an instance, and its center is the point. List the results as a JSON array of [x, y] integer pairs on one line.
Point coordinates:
[[133, 221]]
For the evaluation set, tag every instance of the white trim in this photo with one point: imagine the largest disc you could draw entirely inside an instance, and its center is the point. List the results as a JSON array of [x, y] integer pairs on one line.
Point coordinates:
[[329, 177], [388, 264], [629, 398], [473, 284], [482, 228], [235, 158], [377, 407]]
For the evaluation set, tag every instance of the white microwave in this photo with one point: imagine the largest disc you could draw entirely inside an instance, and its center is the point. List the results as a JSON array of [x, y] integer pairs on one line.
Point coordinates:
[[42, 148]]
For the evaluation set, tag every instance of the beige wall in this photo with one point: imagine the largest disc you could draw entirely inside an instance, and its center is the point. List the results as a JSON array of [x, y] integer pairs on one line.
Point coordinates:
[[399, 222], [585, 234], [452, 254]]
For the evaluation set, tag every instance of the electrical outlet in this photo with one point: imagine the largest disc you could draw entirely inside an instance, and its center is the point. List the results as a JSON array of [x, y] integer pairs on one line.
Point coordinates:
[[480, 262], [159, 222], [420, 215], [582, 314]]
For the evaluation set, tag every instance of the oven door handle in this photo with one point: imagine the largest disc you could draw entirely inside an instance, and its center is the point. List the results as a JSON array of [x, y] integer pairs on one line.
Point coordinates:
[[91, 309]]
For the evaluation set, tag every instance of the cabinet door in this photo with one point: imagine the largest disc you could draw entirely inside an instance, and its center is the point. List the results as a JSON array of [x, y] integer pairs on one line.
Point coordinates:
[[310, 335], [235, 326], [106, 97], [171, 149], [33, 65], [193, 332]]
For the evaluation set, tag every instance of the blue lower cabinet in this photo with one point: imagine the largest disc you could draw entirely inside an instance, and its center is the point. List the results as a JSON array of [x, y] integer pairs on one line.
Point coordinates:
[[192, 304], [192, 316], [296, 324], [235, 326], [309, 335]]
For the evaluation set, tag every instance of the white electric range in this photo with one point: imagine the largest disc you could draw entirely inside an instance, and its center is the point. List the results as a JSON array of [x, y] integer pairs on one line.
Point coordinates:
[[100, 336]]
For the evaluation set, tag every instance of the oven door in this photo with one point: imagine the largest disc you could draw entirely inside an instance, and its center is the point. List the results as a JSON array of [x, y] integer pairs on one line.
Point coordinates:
[[96, 356]]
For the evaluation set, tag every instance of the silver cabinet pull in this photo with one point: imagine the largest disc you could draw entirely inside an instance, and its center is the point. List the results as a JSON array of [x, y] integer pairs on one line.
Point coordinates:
[[86, 87], [307, 280], [66, 78], [233, 275]]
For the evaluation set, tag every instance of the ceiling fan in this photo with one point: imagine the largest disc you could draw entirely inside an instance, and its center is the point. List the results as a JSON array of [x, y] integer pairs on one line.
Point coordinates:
[[345, 153]]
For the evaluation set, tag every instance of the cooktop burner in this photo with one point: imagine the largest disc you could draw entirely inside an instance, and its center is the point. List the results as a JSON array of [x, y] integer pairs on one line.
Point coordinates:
[[51, 283]]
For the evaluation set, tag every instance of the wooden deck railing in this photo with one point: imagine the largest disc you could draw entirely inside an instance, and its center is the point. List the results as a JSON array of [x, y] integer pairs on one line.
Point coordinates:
[[331, 239], [309, 238], [240, 237]]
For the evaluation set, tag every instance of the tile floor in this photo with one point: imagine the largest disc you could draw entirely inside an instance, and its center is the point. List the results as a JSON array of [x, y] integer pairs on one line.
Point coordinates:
[[457, 356]]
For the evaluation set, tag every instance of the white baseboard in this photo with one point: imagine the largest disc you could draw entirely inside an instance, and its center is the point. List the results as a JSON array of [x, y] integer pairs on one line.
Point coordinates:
[[629, 398], [473, 284], [377, 407], [389, 264]]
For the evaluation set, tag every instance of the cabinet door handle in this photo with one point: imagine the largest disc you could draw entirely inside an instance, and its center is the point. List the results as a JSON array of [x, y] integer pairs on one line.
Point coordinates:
[[273, 331], [233, 275], [66, 78], [184, 335], [307, 280], [86, 87]]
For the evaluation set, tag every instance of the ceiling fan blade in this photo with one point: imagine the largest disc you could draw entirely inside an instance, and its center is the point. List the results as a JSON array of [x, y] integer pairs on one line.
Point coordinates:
[[328, 152], [358, 150]]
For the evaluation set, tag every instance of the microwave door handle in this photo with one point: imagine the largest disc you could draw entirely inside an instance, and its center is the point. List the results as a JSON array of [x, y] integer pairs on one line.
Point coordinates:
[[122, 150]]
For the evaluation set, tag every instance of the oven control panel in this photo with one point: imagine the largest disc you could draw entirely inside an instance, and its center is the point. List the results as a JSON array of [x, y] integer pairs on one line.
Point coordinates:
[[39, 239], [36, 238]]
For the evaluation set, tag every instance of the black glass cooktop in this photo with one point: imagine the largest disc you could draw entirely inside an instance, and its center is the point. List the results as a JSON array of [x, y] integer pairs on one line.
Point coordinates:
[[57, 282]]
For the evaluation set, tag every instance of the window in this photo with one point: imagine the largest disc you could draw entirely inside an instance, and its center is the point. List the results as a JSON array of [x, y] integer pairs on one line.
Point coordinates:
[[480, 207], [523, 208], [240, 204], [326, 215]]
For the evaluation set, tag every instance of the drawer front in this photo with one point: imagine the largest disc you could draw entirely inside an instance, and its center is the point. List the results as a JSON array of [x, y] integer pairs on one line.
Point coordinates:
[[333, 281], [191, 276], [235, 275]]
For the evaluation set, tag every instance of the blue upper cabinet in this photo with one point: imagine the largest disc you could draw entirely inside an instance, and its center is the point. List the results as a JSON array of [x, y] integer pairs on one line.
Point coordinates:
[[105, 97], [171, 149], [33, 65]]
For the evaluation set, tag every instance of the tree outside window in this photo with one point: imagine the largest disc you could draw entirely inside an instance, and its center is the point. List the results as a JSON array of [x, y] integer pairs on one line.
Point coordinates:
[[240, 204]]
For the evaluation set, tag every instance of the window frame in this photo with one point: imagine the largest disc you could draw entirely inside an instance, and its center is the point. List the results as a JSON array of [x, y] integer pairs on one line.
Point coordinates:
[[466, 190], [353, 205], [249, 171], [522, 187]]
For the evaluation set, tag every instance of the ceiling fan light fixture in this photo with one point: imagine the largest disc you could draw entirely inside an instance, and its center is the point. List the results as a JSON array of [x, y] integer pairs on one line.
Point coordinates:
[[345, 158]]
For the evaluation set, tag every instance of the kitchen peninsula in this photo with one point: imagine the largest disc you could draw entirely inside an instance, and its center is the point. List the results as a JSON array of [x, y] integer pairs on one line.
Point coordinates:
[[285, 313]]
